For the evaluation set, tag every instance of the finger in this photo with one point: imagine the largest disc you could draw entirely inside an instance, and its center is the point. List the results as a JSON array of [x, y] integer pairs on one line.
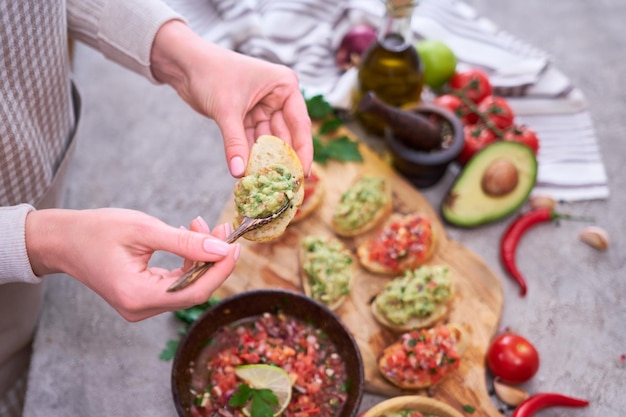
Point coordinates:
[[222, 231], [198, 292], [298, 122], [185, 243], [199, 225], [280, 129], [236, 145]]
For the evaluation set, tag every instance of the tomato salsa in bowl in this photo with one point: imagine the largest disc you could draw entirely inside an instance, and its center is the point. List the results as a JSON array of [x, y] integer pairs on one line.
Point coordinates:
[[270, 327]]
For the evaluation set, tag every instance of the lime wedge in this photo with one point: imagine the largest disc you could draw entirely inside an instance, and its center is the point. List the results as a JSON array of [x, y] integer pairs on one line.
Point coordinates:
[[270, 377]]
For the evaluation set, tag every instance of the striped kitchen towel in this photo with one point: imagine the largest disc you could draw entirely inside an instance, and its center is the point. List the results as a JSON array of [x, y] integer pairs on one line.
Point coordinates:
[[304, 34]]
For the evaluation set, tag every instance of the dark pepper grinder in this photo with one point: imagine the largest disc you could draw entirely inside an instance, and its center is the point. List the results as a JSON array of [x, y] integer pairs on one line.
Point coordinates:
[[414, 129]]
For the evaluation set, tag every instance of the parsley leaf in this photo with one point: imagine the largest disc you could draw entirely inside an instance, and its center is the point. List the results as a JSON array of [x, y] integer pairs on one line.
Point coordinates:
[[318, 108], [187, 316], [262, 400], [169, 352], [341, 149], [241, 396]]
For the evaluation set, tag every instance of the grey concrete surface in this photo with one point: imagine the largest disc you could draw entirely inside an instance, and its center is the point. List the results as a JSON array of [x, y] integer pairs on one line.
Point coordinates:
[[142, 148]]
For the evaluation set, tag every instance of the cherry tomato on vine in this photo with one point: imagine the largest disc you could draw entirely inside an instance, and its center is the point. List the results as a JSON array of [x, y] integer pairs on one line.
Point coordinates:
[[512, 358], [497, 110], [456, 106], [474, 83], [523, 134], [476, 137]]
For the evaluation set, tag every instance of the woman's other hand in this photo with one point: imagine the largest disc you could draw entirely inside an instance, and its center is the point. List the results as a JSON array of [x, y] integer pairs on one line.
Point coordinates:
[[109, 251]]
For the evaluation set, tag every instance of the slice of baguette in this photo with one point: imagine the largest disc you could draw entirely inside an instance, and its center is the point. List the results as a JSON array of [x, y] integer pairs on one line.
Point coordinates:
[[410, 285], [383, 212], [387, 360], [305, 278], [409, 262], [440, 313], [266, 152], [314, 190], [416, 403]]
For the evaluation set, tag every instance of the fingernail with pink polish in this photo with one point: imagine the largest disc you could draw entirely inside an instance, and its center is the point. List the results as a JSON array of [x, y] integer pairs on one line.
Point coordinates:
[[237, 167], [203, 224], [237, 251], [228, 228], [216, 246]]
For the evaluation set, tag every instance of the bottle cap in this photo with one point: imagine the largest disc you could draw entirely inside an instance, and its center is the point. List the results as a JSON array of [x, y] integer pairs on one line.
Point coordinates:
[[400, 8]]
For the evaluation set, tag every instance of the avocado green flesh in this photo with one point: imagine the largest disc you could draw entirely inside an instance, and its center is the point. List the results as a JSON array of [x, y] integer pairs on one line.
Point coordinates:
[[468, 205]]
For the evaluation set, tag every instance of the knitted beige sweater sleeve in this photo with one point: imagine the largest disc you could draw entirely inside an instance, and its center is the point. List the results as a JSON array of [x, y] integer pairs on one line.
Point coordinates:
[[123, 30]]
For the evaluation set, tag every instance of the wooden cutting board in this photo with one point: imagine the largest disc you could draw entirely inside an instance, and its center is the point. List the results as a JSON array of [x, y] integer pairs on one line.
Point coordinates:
[[477, 305]]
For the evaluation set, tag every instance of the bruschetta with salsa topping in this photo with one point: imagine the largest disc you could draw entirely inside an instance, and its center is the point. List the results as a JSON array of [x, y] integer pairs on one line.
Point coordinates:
[[274, 173], [327, 270], [422, 357], [406, 241], [419, 298], [362, 206], [314, 189]]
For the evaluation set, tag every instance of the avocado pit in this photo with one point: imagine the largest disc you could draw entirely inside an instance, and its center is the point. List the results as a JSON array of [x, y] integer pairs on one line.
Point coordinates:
[[500, 178]]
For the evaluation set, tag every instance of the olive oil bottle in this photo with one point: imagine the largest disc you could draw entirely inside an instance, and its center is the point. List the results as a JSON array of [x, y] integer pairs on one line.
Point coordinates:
[[391, 67]]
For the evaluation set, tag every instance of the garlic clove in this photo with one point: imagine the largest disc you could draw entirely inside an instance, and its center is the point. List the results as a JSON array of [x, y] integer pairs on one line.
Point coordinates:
[[508, 394], [541, 201], [595, 236]]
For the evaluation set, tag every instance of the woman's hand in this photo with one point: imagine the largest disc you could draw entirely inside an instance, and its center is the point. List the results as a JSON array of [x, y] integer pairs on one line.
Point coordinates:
[[109, 251], [247, 97]]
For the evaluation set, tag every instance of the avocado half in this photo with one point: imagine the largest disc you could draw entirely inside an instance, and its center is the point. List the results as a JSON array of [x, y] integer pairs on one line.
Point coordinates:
[[467, 204]]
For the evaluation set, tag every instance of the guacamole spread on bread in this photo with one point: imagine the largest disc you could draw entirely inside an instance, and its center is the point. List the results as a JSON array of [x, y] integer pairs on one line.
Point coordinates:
[[263, 194], [360, 203], [417, 293], [327, 265]]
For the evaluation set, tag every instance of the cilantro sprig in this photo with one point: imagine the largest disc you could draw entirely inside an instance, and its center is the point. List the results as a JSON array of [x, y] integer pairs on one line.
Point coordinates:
[[262, 400]]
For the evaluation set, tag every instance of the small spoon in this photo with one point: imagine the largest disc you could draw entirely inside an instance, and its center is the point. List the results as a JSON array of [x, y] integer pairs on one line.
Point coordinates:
[[200, 267]]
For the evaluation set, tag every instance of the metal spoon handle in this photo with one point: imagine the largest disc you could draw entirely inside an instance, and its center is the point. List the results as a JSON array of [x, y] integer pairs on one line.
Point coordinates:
[[200, 267]]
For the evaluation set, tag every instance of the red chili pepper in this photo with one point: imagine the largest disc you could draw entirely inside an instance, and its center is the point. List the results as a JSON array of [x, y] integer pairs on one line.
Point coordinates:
[[514, 233], [537, 402]]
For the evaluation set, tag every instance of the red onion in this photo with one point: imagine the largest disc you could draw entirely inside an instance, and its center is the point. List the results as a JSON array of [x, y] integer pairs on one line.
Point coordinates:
[[353, 44]]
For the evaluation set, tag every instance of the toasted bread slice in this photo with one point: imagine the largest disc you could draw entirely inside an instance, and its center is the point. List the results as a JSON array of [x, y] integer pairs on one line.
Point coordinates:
[[327, 270], [384, 253], [365, 204], [314, 190], [420, 298], [415, 403], [270, 152], [443, 344]]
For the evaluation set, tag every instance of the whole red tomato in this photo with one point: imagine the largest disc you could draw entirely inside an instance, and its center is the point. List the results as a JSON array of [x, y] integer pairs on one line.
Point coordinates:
[[523, 134], [474, 83], [476, 137], [512, 358], [497, 110], [456, 106]]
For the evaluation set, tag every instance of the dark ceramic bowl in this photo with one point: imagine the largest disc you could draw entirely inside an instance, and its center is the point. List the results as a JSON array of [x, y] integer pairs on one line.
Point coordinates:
[[424, 169], [254, 303]]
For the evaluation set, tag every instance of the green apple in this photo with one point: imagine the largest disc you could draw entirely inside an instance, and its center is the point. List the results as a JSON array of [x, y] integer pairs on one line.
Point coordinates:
[[438, 61]]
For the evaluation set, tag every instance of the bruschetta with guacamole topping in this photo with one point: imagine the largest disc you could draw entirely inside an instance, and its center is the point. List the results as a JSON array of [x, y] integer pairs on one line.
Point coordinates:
[[327, 270], [419, 298], [405, 241], [273, 173], [362, 206], [422, 357]]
